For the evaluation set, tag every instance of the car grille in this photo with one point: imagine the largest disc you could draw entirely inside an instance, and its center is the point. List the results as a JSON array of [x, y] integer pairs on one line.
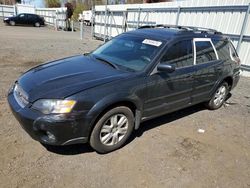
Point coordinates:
[[20, 96]]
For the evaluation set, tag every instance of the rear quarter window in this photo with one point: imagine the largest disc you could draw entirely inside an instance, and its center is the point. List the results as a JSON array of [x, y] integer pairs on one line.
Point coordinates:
[[233, 54]]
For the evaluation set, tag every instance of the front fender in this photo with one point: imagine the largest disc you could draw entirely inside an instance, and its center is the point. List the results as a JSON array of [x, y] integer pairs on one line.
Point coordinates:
[[113, 99]]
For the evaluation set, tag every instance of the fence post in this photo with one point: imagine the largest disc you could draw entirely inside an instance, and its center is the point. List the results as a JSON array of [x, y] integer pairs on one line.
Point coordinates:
[[138, 19], [2, 12], [105, 23], [72, 26], [55, 21], [81, 30], [92, 22], [243, 29], [124, 22], [178, 15], [110, 16], [15, 10], [56, 24]]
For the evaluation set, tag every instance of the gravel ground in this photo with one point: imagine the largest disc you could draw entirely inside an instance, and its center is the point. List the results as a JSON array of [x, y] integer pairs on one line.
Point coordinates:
[[165, 152]]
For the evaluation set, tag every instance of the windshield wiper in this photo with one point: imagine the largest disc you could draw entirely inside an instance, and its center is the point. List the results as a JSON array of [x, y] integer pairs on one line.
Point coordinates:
[[106, 61]]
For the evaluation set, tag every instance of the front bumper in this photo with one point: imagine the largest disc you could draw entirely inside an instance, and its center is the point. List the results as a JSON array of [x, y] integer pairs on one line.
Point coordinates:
[[59, 129]]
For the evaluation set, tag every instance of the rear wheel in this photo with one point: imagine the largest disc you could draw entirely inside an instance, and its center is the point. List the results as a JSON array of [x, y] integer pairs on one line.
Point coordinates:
[[12, 23], [112, 130], [219, 97]]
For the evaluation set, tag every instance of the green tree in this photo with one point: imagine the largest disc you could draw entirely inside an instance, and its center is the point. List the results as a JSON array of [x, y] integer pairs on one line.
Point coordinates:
[[52, 3], [78, 10]]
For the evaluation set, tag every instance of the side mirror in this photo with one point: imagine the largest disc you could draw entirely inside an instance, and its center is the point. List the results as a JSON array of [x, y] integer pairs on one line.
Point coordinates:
[[166, 68], [86, 53]]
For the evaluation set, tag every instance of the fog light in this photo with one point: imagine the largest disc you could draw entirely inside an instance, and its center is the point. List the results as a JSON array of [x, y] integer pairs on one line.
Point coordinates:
[[51, 137]]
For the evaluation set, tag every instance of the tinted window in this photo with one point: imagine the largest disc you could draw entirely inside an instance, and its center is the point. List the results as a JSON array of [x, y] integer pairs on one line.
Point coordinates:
[[180, 54], [222, 49], [30, 16], [204, 52], [22, 15]]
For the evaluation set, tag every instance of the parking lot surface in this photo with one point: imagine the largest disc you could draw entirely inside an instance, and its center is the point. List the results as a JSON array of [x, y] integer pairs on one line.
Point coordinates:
[[165, 152]]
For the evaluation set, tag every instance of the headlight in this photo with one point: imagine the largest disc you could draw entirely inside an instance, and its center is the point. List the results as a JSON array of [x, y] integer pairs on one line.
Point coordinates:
[[54, 106], [5, 19]]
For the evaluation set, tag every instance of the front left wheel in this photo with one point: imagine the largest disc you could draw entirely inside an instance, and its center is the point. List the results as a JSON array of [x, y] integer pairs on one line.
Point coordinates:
[[12, 23], [112, 130]]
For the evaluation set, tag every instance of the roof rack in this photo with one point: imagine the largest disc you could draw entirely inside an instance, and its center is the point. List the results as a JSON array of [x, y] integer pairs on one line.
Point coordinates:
[[186, 28]]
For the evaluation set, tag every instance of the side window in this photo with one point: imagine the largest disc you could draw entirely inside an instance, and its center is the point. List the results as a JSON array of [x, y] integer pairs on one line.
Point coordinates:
[[180, 54], [204, 52], [222, 48]]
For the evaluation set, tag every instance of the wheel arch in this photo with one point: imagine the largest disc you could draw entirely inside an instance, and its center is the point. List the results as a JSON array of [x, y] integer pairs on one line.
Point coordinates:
[[229, 81], [103, 106]]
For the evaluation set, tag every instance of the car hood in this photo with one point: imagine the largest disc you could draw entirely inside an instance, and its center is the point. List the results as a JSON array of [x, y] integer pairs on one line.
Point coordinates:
[[65, 77], [9, 17]]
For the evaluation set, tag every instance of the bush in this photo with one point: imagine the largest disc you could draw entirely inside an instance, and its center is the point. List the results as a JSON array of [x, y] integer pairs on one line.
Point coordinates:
[[78, 10], [52, 3]]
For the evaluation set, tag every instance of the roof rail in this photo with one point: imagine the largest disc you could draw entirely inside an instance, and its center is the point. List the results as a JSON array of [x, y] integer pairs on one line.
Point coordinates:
[[186, 28], [162, 26]]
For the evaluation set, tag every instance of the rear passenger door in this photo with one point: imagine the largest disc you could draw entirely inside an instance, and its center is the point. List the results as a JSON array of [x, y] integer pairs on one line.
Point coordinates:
[[208, 69], [31, 19]]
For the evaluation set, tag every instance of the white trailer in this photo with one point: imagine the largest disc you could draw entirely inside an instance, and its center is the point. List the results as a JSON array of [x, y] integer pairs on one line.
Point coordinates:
[[86, 17]]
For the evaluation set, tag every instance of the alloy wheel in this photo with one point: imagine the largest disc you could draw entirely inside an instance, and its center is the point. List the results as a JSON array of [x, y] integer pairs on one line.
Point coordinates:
[[220, 95], [114, 129]]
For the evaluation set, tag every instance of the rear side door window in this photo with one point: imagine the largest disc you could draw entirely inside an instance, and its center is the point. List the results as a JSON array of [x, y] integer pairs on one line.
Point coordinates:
[[31, 17], [179, 54], [204, 51]]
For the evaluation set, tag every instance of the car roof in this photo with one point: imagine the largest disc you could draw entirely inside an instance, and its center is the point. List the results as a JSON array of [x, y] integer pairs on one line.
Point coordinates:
[[166, 33], [29, 14]]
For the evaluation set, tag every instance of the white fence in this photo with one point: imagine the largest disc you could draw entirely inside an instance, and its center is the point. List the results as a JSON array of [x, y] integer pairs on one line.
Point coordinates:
[[53, 16], [229, 16], [23, 8]]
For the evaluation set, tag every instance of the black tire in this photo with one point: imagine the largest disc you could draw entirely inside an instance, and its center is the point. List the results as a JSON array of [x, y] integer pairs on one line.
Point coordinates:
[[212, 105], [12, 23], [37, 24], [97, 135]]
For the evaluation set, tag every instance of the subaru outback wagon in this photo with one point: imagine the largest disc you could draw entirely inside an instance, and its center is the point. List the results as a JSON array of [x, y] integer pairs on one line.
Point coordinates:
[[103, 96]]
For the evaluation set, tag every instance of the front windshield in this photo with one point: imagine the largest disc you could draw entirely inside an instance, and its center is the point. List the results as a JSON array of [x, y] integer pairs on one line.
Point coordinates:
[[129, 52]]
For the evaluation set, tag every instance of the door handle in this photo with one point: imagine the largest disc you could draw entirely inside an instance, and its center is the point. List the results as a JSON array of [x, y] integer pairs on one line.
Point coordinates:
[[218, 68], [189, 76]]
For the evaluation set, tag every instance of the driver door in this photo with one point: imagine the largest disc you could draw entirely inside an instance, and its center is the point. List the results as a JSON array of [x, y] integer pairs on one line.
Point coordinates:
[[22, 19], [171, 91]]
